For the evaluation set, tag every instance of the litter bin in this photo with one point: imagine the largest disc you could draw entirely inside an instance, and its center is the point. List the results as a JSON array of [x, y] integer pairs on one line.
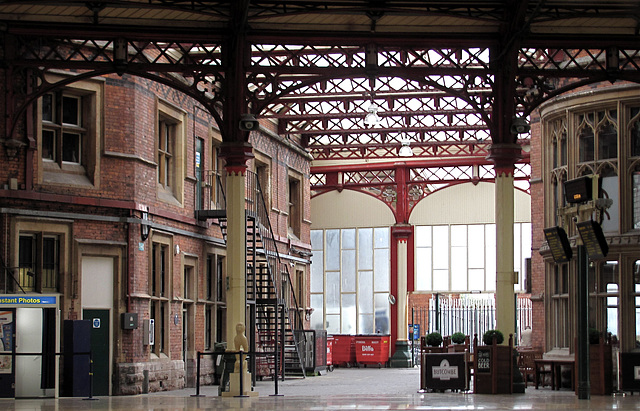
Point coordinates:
[[219, 347], [372, 349], [344, 351]]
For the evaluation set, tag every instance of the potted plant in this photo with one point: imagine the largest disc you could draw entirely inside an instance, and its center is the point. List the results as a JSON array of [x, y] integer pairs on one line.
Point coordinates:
[[487, 337], [459, 341], [432, 342], [458, 338]]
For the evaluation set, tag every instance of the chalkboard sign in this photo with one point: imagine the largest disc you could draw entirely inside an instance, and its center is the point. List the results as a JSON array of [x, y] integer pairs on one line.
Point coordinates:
[[558, 244], [484, 360], [593, 239]]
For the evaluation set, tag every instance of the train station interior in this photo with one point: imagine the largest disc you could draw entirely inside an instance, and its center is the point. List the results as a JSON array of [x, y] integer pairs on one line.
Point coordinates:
[[230, 194]]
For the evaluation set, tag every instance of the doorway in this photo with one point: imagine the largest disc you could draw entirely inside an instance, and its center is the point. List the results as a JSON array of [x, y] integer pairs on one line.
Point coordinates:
[[97, 296]]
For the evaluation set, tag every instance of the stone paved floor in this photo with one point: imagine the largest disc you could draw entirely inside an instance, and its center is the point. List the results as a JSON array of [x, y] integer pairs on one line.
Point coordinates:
[[342, 389]]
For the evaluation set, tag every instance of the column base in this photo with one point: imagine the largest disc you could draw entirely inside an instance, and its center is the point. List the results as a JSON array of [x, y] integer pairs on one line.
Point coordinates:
[[402, 357]]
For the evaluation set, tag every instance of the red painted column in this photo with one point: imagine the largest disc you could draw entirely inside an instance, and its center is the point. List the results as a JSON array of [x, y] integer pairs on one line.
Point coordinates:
[[400, 234]]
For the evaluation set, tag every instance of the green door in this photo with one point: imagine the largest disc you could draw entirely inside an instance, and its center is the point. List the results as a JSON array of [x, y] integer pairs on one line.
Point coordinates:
[[99, 349]]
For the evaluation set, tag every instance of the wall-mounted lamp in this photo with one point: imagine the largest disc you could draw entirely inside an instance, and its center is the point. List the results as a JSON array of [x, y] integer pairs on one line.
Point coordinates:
[[144, 225], [12, 147], [405, 149]]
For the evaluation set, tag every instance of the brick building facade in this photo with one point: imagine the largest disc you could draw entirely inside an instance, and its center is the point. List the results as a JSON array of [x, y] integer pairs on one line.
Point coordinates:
[[98, 207]]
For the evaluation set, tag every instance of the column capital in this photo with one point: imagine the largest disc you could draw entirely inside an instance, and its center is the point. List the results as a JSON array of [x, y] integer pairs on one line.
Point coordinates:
[[236, 155], [401, 232], [504, 157]]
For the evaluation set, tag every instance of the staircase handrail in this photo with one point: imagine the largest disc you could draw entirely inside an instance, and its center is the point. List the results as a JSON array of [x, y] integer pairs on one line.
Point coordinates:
[[268, 237]]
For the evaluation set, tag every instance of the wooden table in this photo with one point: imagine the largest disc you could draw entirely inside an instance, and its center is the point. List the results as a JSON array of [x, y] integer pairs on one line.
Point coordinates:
[[555, 366]]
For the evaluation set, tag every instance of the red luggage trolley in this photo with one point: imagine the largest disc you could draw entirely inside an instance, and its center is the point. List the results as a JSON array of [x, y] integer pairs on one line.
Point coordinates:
[[372, 349]]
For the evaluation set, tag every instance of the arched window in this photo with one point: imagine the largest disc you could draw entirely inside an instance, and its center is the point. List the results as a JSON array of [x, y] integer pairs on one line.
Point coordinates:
[[607, 135], [585, 138]]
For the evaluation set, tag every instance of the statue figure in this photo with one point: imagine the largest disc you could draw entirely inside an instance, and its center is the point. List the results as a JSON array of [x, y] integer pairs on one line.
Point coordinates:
[[241, 344]]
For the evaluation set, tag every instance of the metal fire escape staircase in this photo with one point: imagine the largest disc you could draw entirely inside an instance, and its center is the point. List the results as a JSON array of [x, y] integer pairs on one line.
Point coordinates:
[[275, 320]]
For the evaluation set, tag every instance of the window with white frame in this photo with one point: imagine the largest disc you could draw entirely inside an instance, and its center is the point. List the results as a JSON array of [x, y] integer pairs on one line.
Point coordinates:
[[351, 280], [462, 258]]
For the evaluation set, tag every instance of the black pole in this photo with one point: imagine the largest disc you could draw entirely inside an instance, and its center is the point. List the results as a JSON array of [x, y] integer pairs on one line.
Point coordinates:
[[241, 373], [282, 341], [198, 374], [90, 377], [413, 333], [584, 385]]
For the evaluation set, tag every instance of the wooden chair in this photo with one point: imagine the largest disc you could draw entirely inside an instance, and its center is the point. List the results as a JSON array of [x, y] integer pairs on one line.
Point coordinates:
[[526, 364]]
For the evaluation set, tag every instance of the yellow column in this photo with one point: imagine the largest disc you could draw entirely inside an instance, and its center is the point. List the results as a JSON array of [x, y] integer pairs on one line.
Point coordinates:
[[236, 252], [505, 306], [401, 299]]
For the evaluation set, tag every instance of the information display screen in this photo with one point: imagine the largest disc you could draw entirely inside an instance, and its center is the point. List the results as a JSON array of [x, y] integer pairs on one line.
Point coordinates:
[[558, 244], [593, 239]]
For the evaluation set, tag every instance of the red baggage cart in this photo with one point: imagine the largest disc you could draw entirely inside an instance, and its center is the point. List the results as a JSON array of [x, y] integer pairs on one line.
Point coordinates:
[[344, 351], [372, 349]]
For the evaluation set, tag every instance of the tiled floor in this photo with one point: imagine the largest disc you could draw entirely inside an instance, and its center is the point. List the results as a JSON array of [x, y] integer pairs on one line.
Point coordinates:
[[342, 389]]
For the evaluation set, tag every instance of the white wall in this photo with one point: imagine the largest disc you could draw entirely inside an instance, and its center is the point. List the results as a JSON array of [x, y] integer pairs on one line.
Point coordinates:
[[348, 209], [466, 204]]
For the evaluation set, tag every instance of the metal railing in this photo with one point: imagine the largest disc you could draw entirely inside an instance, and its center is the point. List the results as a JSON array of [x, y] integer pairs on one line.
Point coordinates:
[[256, 207], [448, 314]]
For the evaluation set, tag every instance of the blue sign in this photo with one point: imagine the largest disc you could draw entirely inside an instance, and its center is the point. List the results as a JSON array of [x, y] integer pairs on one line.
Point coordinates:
[[96, 323], [28, 300], [415, 335]]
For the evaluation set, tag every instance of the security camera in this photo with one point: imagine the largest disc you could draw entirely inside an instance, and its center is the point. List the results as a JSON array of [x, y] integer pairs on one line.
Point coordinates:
[[248, 122], [519, 125]]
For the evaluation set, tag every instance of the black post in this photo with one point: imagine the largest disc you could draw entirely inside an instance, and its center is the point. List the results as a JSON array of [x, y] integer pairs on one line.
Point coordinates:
[[281, 346], [584, 385], [241, 373], [413, 333], [90, 377], [198, 374]]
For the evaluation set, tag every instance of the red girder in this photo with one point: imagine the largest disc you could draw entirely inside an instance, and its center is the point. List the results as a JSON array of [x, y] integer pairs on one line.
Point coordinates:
[[424, 177]]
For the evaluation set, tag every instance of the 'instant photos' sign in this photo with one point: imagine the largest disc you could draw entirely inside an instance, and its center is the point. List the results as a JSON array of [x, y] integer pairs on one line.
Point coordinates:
[[28, 300]]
